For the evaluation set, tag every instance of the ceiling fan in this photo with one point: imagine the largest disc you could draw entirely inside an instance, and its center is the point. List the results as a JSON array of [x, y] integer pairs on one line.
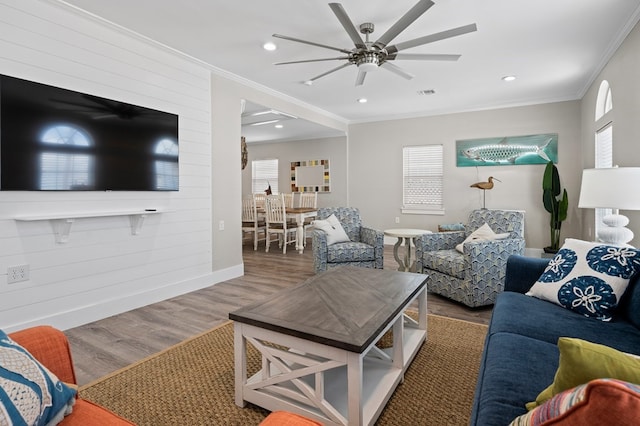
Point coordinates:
[[368, 55], [101, 108]]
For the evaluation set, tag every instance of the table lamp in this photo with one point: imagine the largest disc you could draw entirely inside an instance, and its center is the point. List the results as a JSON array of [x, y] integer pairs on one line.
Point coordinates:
[[612, 188]]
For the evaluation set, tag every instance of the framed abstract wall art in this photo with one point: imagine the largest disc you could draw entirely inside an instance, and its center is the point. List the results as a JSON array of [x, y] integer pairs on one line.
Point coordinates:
[[507, 151], [310, 176]]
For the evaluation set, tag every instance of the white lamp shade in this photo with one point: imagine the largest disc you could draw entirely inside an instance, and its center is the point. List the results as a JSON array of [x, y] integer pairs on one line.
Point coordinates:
[[610, 188]]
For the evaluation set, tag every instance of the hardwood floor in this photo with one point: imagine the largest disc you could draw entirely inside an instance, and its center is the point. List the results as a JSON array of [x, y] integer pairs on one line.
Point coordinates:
[[107, 345]]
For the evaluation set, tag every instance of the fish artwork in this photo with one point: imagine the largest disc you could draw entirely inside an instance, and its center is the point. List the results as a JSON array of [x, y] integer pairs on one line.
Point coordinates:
[[505, 152]]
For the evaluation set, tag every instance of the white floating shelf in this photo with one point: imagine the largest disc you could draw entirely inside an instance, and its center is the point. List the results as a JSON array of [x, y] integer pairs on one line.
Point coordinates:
[[61, 222]]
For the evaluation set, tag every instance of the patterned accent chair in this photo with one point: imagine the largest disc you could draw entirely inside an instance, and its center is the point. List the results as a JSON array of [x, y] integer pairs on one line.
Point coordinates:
[[476, 276], [366, 248]]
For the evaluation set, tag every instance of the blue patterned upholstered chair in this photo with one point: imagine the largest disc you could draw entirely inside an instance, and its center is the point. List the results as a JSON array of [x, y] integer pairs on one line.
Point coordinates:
[[365, 249], [476, 276]]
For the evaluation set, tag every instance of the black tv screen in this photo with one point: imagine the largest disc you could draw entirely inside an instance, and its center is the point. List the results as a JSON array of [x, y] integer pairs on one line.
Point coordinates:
[[53, 139]]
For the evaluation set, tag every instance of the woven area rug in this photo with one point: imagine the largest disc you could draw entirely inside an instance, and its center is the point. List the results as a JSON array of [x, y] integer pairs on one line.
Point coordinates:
[[192, 383]]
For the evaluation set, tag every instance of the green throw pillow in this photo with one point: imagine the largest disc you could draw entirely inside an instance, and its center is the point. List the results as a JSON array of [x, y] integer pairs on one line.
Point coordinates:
[[582, 361]]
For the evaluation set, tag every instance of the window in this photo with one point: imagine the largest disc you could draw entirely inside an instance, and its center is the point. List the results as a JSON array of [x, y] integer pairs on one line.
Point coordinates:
[[65, 161], [166, 164], [603, 141], [604, 101], [604, 158], [264, 173], [422, 179]]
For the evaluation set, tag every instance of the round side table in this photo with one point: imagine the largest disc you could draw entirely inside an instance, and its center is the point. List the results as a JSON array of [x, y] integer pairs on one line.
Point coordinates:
[[408, 236]]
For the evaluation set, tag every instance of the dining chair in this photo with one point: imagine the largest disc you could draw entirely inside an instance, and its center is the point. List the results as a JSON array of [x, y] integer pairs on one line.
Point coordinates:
[[259, 198], [289, 199], [289, 202], [277, 222], [251, 222], [308, 200]]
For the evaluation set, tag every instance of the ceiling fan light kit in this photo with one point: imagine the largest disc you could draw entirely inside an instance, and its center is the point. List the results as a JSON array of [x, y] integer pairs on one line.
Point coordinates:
[[368, 56]]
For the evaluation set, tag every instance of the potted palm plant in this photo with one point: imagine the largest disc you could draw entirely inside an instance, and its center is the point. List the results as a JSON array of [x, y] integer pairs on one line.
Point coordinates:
[[557, 207]]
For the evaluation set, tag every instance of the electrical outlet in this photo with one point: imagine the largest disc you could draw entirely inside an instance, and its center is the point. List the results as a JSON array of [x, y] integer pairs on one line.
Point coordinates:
[[17, 274], [397, 220], [221, 225]]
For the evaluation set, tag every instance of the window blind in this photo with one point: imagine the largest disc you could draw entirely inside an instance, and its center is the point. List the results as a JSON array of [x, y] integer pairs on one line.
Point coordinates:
[[422, 172], [263, 174], [604, 159]]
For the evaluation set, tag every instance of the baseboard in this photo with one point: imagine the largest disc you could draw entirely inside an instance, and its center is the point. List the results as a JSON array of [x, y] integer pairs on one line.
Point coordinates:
[[88, 313]]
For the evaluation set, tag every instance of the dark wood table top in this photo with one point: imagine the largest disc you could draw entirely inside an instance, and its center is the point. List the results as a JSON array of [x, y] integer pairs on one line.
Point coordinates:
[[300, 209], [345, 307]]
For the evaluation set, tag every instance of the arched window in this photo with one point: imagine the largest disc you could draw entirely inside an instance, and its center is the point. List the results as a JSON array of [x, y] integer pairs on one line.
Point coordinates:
[[66, 161], [603, 141], [166, 164], [604, 101]]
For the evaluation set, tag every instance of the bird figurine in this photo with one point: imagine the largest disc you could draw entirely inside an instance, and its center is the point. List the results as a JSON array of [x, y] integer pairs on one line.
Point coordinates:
[[484, 186]]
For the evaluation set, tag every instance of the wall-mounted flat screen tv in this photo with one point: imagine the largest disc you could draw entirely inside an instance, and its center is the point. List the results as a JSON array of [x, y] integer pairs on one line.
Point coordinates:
[[53, 139]]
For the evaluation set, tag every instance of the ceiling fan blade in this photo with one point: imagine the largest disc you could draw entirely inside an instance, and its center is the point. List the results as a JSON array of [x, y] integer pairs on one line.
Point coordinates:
[[78, 104], [103, 116], [312, 60], [347, 24], [454, 32], [329, 72], [360, 77], [397, 70], [423, 57], [312, 43], [414, 13]]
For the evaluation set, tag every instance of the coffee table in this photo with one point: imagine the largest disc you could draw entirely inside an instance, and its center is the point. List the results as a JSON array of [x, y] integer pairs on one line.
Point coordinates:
[[317, 344]]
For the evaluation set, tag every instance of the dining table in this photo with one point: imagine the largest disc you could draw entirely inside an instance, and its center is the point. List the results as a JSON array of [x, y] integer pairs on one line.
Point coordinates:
[[299, 214]]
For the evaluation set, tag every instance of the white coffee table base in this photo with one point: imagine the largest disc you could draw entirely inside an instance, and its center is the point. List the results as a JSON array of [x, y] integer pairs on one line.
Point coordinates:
[[331, 385]]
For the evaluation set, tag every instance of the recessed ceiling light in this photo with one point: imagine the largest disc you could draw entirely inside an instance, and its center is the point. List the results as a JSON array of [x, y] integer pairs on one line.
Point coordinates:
[[508, 78], [262, 123], [278, 126], [269, 46], [362, 100]]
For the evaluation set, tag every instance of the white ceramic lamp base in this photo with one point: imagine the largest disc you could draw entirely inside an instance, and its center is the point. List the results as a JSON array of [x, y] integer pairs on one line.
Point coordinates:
[[615, 232]]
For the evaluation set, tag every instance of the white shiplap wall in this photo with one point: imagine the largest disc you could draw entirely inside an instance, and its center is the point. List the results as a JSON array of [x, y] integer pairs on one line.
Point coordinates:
[[104, 269]]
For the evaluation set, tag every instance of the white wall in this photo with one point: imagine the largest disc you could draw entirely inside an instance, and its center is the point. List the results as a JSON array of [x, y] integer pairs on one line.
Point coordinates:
[[104, 269], [333, 149], [622, 72], [375, 167]]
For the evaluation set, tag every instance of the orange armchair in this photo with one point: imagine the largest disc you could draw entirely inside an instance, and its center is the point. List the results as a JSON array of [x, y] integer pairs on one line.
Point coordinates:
[[51, 347]]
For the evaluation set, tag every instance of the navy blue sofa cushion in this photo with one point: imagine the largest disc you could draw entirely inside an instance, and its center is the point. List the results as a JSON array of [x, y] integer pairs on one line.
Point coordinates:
[[522, 272], [508, 379], [629, 306]]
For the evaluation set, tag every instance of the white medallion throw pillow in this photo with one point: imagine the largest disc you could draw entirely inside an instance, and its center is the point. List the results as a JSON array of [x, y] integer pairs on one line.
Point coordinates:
[[482, 234], [587, 277], [334, 230]]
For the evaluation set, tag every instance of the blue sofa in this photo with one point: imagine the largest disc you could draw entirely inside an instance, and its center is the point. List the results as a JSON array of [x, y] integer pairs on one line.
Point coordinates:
[[520, 355]]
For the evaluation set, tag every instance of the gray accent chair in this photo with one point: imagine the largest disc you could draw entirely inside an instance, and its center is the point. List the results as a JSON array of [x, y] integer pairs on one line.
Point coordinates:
[[476, 276], [366, 248]]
